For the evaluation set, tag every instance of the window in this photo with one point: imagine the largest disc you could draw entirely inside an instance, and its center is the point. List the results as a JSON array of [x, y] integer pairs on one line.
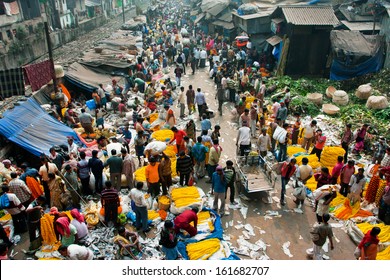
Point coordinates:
[[9, 34]]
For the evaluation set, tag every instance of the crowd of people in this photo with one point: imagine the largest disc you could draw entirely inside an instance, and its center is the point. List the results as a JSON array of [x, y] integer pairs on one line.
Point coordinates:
[[239, 75]]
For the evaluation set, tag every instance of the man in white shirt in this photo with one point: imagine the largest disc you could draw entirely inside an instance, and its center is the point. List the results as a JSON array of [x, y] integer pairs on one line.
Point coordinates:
[[141, 211], [263, 143], [76, 252], [182, 102], [244, 138], [304, 173], [72, 147], [17, 211], [203, 57], [308, 137]]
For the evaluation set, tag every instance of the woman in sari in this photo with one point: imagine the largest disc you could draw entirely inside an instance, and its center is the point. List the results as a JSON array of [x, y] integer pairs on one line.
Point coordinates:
[[56, 189], [191, 130]]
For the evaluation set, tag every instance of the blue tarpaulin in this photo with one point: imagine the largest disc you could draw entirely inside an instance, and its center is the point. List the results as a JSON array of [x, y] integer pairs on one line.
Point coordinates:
[[341, 70], [30, 127]]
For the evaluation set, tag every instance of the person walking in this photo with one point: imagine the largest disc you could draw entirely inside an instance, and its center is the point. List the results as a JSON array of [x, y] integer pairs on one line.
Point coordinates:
[[190, 94], [20, 189], [320, 140], [96, 167], [287, 171], [115, 163], [345, 177], [214, 156], [165, 173], [181, 102], [200, 100], [218, 188], [319, 235], [140, 208], [230, 178], [304, 173], [199, 152], [346, 140]]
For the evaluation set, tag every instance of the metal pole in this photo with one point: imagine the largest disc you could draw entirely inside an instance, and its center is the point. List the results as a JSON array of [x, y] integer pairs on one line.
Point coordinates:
[[50, 55], [123, 10]]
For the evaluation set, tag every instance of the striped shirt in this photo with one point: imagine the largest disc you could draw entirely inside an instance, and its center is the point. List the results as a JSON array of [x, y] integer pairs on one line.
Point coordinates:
[[20, 189], [184, 165], [109, 196]]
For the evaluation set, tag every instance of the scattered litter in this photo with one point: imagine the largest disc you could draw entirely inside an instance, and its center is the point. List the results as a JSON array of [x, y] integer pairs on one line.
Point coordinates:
[[244, 211], [226, 237], [246, 235], [254, 210], [250, 230], [239, 226], [335, 238], [325, 257], [336, 225], [276, 199], [300, 237], [297, 210], [231, 223], [272, 213], [266, 217], [286, 249], [244, 197], [226, 225]]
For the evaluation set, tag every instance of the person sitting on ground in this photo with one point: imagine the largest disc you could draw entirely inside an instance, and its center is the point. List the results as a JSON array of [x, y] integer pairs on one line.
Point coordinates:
[[128, 243], [80, 225], [168, 241], [75, 252], [182, 221]]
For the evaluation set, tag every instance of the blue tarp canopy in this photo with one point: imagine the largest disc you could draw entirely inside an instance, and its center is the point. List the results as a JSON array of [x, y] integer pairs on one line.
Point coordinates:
[[30, 127], [355, 54]]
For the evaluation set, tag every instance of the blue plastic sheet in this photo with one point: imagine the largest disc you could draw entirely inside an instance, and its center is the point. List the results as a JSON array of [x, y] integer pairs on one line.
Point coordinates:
[[30, 127], [341, 70]]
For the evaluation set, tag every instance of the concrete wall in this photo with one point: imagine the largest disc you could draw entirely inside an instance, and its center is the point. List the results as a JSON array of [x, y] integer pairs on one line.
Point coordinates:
[[34, 47]]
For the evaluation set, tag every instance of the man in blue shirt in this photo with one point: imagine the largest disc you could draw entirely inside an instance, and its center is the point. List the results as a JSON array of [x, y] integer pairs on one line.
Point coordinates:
[[218, 188], [205, 124], [199, 154]]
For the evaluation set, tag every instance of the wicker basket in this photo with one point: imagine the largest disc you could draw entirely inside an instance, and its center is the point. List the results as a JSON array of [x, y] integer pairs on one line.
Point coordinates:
[[316, 98], [340, 97], [330, 109], [364, 91], [162, 205], [329, 91], [377, 102]]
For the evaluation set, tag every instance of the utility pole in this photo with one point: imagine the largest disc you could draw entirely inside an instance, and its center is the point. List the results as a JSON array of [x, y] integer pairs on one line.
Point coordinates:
[[123, 10], [49, 47]]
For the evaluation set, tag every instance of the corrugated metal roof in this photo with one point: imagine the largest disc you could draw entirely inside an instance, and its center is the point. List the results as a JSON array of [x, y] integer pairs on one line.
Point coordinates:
[[361, 26], [310, 15], [274, 40], [224, 24]]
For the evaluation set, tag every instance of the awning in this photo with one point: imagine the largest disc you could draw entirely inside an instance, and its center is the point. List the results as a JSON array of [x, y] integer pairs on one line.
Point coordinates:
[[93, 3], [199, 18], [277, 20], [224, 24], [274, 40]]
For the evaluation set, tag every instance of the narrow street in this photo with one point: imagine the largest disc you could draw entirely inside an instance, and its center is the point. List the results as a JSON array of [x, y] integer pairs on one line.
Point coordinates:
[[275, 231]]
